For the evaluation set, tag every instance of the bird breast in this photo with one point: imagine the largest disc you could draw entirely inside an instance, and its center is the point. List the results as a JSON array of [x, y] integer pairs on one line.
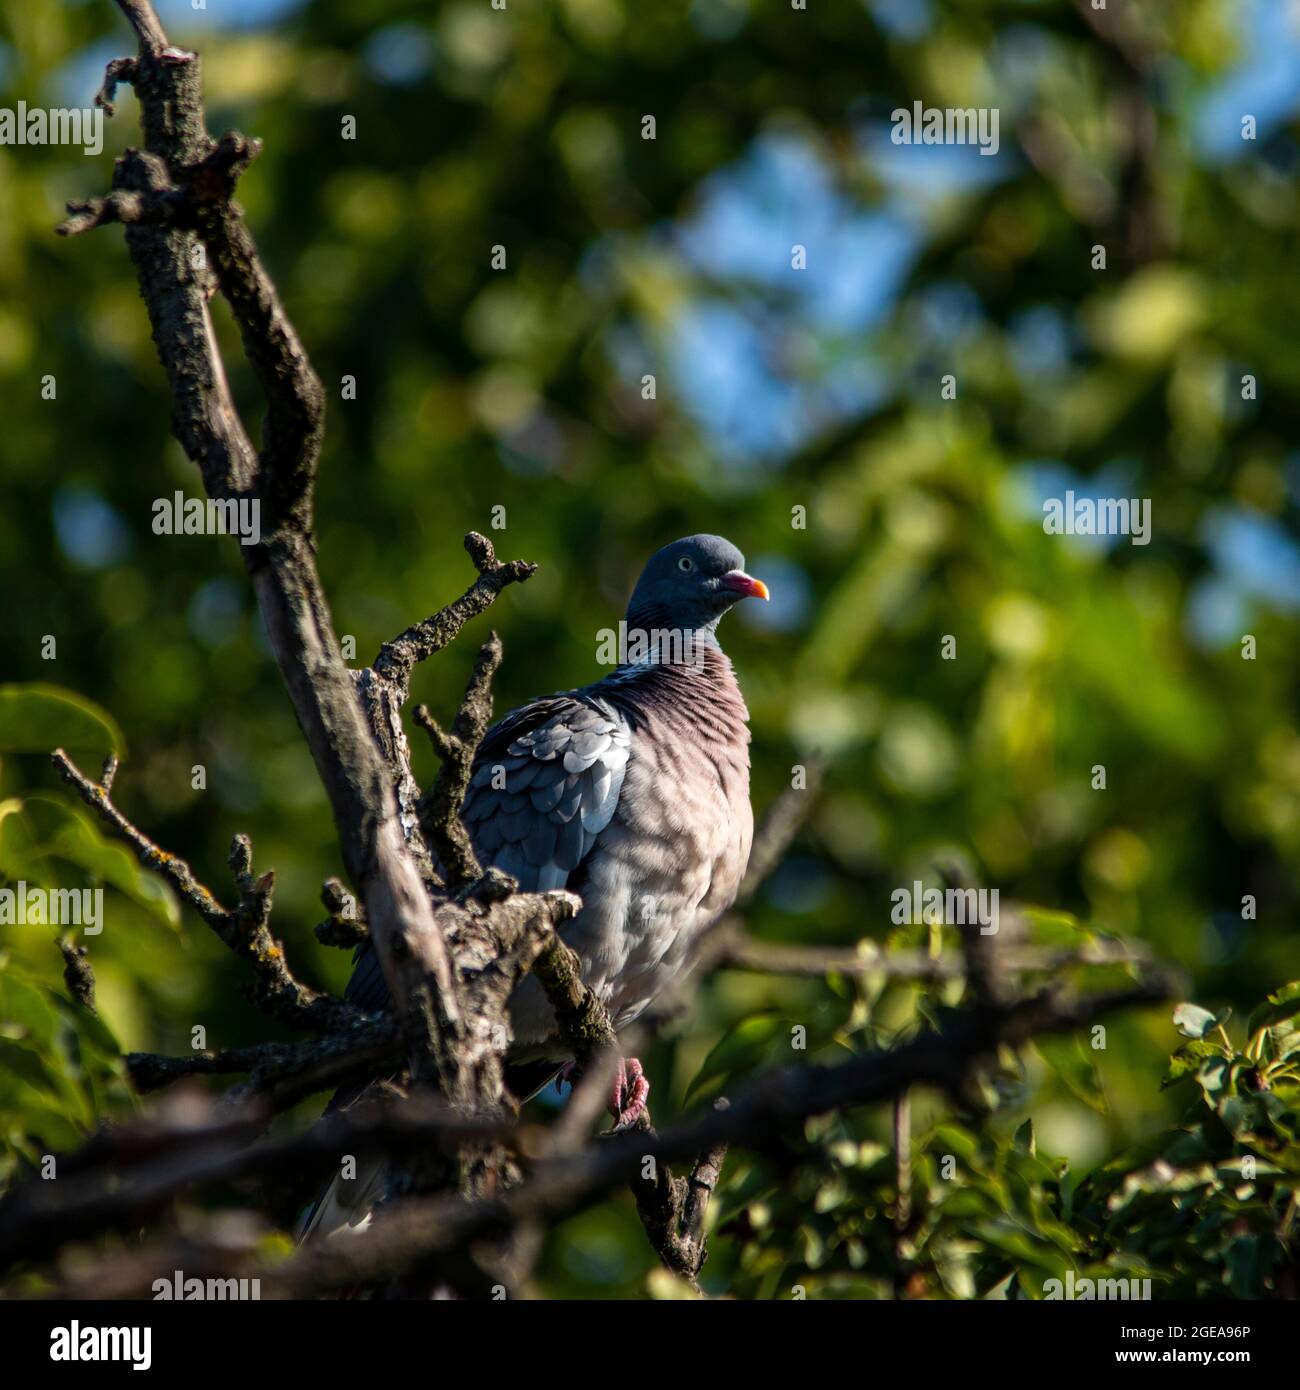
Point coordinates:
[[672, 859]]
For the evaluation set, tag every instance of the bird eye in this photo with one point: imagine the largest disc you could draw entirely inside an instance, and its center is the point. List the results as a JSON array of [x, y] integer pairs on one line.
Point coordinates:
[[686, 563]]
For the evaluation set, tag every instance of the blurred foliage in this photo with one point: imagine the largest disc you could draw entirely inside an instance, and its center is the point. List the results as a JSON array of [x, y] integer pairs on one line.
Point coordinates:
[[1204, 1210], [776, 390]]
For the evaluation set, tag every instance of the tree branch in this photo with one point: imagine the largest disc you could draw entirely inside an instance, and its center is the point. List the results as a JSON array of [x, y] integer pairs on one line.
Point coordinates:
[[245, 930], [439, 808], [282, 1074], [398, 658], [413, 1237], [175, 285]]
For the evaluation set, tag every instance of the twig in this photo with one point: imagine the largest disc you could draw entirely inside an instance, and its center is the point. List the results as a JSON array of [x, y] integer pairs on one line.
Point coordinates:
[[672, 1209], [734, 949], [245, 930], [583, 1023], [144, 21], [345, 927], [77, 974], [119, 70], [122, 1176], [282, 1073], [399, 657], [158, 208], [439, 808], [784, 818], [176, 871]]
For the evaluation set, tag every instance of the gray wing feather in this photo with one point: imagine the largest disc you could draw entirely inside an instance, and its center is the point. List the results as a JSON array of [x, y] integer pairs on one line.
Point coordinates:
[[563, 771], [546, 798], [562, 762]]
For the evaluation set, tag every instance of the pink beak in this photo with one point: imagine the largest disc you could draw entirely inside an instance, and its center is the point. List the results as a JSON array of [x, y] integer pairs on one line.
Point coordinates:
[[741, 583]]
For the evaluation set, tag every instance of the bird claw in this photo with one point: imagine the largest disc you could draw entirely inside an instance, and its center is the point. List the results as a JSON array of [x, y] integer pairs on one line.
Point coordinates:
[[628, 1095]]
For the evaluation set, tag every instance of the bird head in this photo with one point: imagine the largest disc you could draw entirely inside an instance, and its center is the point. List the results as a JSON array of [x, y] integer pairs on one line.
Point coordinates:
[[690, 584]]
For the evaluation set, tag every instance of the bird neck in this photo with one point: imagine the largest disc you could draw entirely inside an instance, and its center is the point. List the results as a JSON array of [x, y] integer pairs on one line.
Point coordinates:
[[685, 691], [656, 637]]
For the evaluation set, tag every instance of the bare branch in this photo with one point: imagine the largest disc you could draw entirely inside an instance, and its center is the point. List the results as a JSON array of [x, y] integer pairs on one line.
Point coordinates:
[[672, 1209], [119, 70], [176, 871], [281, 1073], [783, 820], [145, 22], [294, 427], [583, 1023], [398, 658], [439, 808], [121, 1176], [734, 949], [156, 207], [345, 927], [245, 930]]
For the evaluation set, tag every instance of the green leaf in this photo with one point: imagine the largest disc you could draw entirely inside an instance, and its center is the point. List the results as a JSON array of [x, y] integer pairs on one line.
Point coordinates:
[[53, 829], [38, 718], [1073, 1064], [1048, 928], [19, 852], [1215, 1078], [48, 1075], [1187, 1060], [80, 841], [1192, 1021], [25, 1010], [1281, 1004], [744, 1047]]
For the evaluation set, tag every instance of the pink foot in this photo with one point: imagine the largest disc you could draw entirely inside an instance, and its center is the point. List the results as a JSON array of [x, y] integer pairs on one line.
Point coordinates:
[[628, 1095]]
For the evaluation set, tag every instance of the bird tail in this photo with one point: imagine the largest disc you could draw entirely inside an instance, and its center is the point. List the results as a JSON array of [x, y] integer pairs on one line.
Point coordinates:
[[346, 1205]]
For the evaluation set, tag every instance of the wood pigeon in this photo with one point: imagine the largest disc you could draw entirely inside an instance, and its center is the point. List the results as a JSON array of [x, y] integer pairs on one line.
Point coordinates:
[[633, 793]]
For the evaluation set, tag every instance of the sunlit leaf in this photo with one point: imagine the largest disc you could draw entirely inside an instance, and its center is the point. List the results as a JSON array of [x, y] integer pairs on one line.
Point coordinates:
[[38, 718]]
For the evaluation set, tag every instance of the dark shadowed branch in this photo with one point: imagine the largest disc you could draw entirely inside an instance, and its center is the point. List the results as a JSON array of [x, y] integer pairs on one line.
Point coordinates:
[[413, 1237]]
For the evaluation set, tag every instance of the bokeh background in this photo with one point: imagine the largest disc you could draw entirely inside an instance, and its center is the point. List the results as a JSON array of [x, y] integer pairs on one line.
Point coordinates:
[[775, 389]]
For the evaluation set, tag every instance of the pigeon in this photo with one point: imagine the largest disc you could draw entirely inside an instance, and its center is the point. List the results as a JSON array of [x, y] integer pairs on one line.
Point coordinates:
[[633, 793]]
